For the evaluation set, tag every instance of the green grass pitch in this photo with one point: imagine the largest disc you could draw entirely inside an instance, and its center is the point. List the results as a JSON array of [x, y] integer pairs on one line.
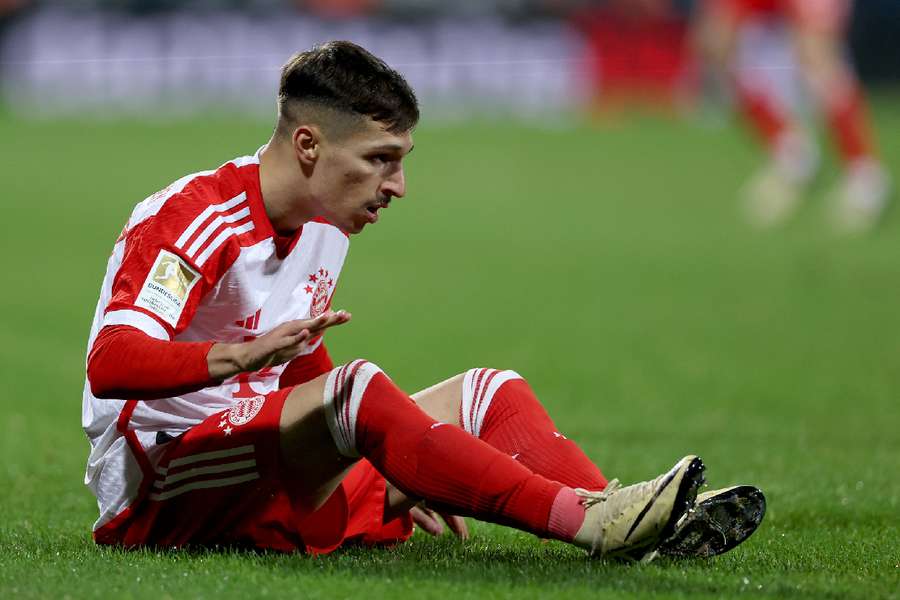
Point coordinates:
[[608, 265]]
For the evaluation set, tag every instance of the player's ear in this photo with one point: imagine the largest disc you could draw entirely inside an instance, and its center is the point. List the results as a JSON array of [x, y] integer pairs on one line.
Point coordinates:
[[307, 143]]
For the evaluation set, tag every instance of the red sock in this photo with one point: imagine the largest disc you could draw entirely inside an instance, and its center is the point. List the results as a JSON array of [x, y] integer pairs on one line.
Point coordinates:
[[500, 408], [763, 112], [369, 416], [848, 122]]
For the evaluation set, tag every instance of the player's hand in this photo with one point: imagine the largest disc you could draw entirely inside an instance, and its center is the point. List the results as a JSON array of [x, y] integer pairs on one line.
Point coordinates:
[[285, 342], [278, 346], [427, 519]]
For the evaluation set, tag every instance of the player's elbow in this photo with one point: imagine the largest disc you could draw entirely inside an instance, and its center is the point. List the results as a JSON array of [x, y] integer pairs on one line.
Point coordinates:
[[101, 384], [104, 364]]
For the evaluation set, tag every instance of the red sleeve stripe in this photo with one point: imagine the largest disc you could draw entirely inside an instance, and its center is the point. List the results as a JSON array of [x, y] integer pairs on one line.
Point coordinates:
[[138, 320], [220, 239], [203, 216]]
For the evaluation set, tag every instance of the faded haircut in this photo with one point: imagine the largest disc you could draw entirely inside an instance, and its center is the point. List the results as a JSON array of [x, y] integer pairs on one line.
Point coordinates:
[[340, 83]]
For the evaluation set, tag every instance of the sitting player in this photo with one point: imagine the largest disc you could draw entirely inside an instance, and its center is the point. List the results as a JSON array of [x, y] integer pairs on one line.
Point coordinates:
[[817, 31], [216, 416]]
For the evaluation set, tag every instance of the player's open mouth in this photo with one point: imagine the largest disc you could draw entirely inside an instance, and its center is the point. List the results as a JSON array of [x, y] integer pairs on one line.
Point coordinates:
[[373, 211]]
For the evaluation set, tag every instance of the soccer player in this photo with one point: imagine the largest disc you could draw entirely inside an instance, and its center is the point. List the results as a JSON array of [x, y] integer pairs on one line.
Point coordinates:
[[216, 416], [817, 30]]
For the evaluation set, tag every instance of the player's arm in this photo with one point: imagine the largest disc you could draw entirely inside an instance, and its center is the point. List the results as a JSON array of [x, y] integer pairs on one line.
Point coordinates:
[[125, 362], [281, 345], [167, 263]]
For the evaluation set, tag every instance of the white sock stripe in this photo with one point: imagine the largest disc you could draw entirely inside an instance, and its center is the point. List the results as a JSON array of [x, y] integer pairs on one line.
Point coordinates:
[[361, 381], [476, 394], [472, 384], [498, 378], [202, 485], [346, 386], [489, 375], [467, 397], [478, 398], [344, 389], [337, 407], [223, 468], [331, 406], [193, 458]]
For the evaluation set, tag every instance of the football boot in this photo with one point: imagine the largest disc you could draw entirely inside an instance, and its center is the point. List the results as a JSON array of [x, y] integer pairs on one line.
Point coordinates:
[[629, 522]]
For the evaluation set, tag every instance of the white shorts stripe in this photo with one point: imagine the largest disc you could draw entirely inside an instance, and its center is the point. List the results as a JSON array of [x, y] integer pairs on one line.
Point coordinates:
[[234, 466], [195, 458], [220, 239], [204, 485], [203, 216]]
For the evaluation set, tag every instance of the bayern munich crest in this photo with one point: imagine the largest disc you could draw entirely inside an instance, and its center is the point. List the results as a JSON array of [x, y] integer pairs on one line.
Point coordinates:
[[244, 411], [319, 285]]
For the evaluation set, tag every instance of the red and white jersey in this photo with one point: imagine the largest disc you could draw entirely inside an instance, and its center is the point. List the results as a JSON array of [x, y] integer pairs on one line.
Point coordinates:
[[199, 261]]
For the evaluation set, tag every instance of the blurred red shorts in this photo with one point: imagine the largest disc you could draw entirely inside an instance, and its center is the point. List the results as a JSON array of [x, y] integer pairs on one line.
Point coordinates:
[[822, 15], [222, 483]]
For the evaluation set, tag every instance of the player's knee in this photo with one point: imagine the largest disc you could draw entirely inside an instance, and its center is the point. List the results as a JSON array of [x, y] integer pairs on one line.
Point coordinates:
[[344, 388], [478, 390]]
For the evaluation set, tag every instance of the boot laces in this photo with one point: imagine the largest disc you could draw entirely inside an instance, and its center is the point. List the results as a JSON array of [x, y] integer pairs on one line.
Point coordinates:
[[591, 498]]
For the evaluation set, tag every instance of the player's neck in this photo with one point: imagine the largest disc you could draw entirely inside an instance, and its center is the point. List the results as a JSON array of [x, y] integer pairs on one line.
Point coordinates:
[[283, 188]]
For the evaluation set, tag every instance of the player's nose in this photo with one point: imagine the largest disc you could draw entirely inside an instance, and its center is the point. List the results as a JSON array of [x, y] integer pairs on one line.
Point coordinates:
[[395, 185]]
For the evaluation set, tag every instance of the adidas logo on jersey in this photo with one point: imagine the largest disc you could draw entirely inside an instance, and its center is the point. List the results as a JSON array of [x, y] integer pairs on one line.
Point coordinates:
[[251, 322]]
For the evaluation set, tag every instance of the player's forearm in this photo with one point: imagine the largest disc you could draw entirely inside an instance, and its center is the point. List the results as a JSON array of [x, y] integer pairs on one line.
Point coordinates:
[[127, 363], [226, 360]]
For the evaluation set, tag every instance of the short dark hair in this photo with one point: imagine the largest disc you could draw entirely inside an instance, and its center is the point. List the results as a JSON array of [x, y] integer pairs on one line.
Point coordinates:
[[344, 77]]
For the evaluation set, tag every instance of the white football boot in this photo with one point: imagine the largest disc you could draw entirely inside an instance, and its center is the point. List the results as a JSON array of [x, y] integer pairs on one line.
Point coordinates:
[[629, 522], [720, 520], [861, 198], [772, 196]]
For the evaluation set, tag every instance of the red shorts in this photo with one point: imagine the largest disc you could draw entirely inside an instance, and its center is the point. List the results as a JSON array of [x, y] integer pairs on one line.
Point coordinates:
[[223, 483], [822, 15]]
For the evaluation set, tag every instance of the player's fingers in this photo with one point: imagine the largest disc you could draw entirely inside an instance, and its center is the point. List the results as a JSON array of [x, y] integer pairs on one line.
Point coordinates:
[[291, 328], [457, 525], [330, 320], [294, 342], [426, 520]]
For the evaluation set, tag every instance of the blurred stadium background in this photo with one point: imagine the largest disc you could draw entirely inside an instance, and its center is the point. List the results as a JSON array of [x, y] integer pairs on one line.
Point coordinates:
[[527, 58], [571, 214]]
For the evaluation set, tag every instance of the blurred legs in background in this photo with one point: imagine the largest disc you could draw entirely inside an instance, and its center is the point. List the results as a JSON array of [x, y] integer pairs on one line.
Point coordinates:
[[773, 194]]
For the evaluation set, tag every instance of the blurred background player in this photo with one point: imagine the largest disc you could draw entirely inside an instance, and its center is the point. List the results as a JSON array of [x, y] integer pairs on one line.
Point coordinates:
[[817, 30]]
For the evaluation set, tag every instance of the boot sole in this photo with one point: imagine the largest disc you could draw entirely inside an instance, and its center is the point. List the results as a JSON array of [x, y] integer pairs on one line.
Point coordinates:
[[717, 524]]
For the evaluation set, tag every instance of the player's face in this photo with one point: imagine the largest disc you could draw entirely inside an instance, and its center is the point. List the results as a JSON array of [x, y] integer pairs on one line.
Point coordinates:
[[360, 174]]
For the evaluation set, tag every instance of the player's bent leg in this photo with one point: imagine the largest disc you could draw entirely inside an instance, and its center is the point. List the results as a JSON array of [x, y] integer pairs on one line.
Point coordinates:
[[367, 415], [500, 408]]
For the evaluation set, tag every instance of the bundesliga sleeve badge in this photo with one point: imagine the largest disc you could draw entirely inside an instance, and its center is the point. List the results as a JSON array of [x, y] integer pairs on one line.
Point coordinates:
[[167, 287]]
